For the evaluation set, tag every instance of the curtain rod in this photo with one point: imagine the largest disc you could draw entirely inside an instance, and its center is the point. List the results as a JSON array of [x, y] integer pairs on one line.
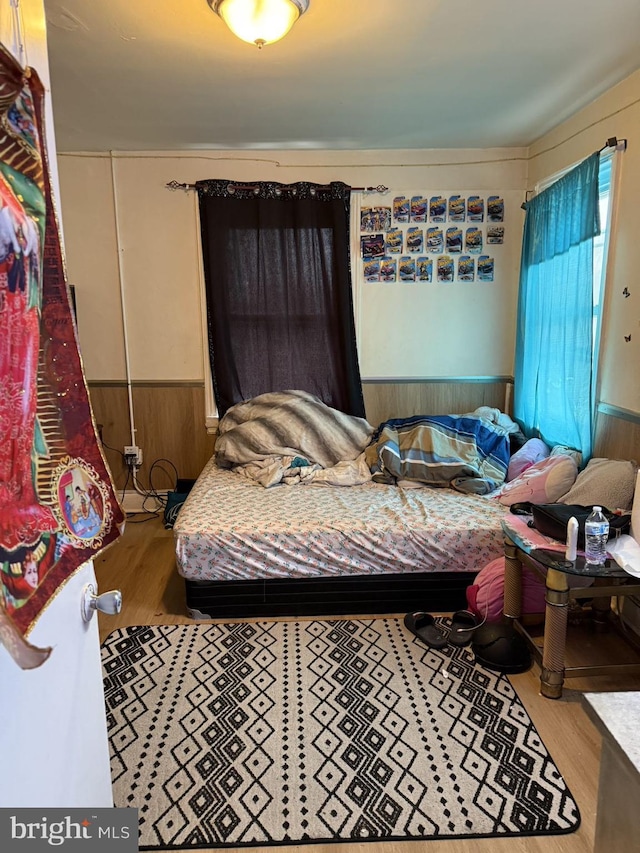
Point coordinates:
[[176, 185], [613, 142]]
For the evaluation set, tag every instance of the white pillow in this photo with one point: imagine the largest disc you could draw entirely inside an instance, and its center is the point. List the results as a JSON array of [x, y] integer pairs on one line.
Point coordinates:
[[606, 482]]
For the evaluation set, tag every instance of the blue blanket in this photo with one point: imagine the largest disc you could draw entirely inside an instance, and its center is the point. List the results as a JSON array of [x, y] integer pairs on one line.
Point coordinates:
[[465, 453]]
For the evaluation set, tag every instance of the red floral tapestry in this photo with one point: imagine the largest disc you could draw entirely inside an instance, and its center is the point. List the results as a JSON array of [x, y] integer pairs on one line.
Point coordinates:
[[57, 504]]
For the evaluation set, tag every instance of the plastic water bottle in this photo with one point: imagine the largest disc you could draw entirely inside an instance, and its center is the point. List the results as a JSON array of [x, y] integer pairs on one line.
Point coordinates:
[[596, 534]]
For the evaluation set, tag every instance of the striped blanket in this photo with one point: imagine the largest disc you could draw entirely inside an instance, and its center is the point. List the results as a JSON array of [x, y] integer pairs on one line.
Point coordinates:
[[289, 424], [464, 452]]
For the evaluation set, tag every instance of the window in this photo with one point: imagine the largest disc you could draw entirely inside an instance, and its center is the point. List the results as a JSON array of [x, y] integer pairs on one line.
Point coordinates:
[[600, 241], [278, 291], [559, 309]]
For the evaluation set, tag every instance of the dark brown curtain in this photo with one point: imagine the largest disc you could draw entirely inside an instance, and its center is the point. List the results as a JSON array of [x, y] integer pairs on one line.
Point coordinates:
[[278, 283]]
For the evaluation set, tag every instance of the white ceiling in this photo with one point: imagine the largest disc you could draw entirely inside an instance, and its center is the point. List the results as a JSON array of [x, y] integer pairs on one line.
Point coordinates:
[[351, 74]]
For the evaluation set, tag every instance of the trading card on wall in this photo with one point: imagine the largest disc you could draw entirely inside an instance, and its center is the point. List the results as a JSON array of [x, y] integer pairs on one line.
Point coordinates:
[[485, 268], [495, 209], [371, 270], [466, 267], [415, 240], [366, 219], [388, 269], [473, 241], [372, 246], [400, 209], [419, 208], [475, 208], [495, 235], [438, 209], [457, 208], [381, 218], [424, 269], [445, 268], [434, 240], [394, 240], [407, 267], [453, 239]]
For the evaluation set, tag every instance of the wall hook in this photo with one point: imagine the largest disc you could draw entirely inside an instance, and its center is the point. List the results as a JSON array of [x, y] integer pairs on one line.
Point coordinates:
[[626, 292]]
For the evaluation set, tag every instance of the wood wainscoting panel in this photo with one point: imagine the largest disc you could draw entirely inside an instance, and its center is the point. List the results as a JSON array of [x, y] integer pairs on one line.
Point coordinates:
[[169, 419], [617, 437], [110, 404], [384, 400]]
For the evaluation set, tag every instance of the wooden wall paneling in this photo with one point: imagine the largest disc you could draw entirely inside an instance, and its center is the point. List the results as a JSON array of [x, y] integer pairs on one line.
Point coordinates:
[[170, 424], [617, 437], [384, 400], [170, 421], [110, 404]]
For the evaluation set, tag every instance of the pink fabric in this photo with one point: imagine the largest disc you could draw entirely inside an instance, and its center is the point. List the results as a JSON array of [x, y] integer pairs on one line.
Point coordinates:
[[543, 482], [518, 526], [532, 451], [485, 597]]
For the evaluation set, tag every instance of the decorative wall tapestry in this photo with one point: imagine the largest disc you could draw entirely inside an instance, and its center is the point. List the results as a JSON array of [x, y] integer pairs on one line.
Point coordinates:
[[439, 246], [57, 504]]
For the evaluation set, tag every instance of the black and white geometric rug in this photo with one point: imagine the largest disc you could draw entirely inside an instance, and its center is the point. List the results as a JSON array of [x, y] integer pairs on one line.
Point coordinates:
[[290, 732]]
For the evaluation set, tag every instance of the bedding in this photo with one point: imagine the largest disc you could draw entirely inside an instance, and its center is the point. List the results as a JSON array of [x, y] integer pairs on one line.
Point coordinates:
[[543, 482], [293, 425], [231, 528], [532, 451], [303, 546], [468, 452]]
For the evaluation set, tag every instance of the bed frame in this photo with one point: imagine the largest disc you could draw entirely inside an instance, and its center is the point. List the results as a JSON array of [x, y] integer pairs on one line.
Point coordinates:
[[337, 596]]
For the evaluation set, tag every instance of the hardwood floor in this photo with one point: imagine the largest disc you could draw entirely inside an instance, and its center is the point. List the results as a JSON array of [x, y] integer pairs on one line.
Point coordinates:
[[142, 565]]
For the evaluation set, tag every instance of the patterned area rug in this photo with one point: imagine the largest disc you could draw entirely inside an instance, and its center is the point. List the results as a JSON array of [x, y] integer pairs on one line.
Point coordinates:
[[288, 732]]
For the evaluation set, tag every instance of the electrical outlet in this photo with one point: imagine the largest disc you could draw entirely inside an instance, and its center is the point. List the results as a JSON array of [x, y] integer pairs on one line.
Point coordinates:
[[133, 455]]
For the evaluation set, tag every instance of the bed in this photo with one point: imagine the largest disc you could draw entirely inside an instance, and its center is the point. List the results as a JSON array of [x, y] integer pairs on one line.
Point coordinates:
[[268, 534]]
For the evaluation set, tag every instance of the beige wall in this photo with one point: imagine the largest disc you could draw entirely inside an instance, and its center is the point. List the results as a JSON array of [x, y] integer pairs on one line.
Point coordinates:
[[91, 252], [616, 113], [433, 329], [119, 201], [133, 244]]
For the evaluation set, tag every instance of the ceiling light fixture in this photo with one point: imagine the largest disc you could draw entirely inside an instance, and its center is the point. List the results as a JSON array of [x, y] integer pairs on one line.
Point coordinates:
[[259, 22]]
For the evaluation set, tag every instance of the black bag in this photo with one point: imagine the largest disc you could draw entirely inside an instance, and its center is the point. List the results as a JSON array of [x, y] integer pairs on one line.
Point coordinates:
[[552, 520]]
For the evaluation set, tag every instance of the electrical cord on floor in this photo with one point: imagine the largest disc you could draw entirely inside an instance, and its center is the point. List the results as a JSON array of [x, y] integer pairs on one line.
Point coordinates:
[[156, 465], [130, 478], [153, 493], [149, 515], [144, 511], [146, 493]]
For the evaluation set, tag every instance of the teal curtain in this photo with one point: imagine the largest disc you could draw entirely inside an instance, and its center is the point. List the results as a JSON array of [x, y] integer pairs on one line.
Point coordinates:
[[554, 391]]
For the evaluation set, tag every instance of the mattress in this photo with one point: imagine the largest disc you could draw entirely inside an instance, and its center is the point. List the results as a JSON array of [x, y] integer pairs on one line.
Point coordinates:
[[231, 528]]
